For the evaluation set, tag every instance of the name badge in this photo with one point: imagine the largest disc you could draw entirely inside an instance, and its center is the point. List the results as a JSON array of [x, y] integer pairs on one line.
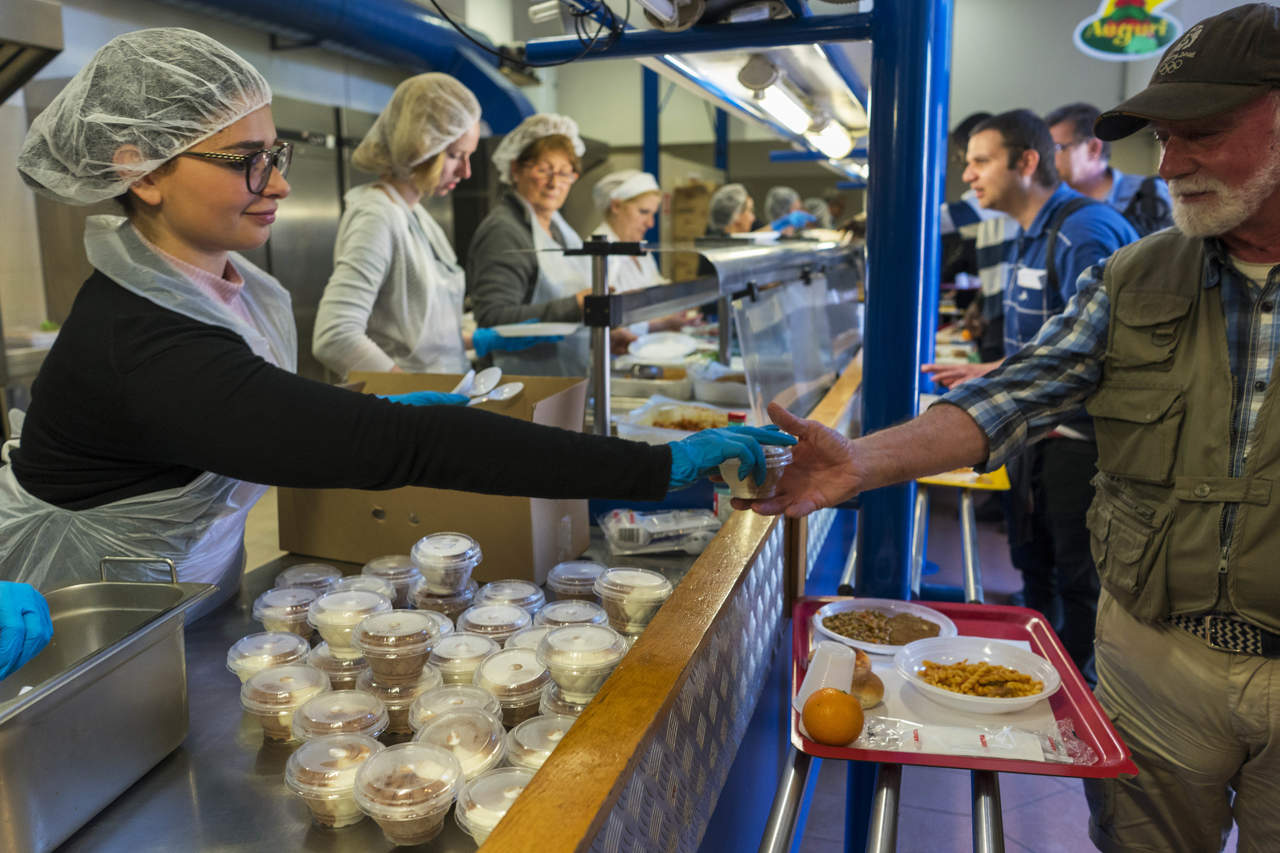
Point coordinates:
[[1030, 279]]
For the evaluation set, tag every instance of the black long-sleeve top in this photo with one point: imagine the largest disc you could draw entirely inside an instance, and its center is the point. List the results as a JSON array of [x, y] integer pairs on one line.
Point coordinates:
[[134, 398]]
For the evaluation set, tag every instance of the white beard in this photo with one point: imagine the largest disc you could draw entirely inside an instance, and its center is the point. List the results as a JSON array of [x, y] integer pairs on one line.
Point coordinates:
[[1231, 206]]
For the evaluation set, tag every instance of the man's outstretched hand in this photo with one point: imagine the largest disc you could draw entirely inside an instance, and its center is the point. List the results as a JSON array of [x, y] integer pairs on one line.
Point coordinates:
[[822, 471]]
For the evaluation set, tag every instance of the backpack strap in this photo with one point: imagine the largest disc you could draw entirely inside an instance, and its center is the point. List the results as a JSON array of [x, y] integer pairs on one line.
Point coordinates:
[[1059, 217]]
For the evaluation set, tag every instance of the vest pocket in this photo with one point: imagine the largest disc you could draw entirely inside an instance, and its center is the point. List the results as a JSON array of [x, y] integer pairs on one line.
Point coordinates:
[[1127, 540], [1137, 430], [1145, 333]]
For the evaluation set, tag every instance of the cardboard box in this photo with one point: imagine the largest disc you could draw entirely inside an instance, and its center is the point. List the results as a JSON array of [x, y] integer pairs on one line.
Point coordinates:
[[520, 537]]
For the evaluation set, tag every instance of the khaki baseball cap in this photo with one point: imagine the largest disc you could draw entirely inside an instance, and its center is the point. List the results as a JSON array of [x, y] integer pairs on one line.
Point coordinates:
[[1221, 63]]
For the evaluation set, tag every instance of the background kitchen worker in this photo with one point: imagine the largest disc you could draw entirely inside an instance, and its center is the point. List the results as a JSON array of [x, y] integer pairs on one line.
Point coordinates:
[[168, 402], [785, 211], [25, 626], [731, 210]]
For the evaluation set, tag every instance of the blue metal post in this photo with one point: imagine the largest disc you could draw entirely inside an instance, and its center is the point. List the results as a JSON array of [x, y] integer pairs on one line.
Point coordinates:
[[722, 140], [650, 161]]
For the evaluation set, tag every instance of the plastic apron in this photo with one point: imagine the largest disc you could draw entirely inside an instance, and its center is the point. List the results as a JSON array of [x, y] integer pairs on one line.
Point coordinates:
[[200, 526], [558, 276]]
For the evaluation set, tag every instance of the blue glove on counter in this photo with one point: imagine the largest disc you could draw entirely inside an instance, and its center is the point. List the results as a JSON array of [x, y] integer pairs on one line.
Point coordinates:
[[427, 398], [701, 453], [485, 341], [796, 219], [25, 626]]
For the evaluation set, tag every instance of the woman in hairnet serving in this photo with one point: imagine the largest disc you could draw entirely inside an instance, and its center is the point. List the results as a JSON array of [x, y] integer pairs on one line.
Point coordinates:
[[170, 395]]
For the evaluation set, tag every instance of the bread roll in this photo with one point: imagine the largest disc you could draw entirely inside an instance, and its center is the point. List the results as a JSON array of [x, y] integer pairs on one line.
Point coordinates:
[[867, 688]]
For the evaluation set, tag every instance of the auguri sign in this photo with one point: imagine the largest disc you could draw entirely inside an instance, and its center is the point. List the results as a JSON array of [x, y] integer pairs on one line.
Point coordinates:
[[1125, 30]]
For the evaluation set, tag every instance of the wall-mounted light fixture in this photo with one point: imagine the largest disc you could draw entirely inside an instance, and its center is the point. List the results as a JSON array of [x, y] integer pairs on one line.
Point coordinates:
[[773, 94], [831, 139]]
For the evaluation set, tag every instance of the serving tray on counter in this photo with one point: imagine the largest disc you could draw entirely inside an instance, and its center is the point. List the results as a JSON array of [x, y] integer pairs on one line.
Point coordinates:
[[1074, 702]]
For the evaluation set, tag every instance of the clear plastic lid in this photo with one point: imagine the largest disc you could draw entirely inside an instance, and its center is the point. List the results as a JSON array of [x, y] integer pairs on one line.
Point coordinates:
[[528, 638], [574, 576], [286, 604], [336, 668], [282, 688], [346, 608], [444, 623], [518, 593], [474, 736], [393, 568], [571, 612], [530, 743], [498, 621], [446, 551], [451, 697], [398, 697], [317, 576], [340, 712], [326, 767], [395, 632], [461, 652], [640, 584], [776, 455], [456, 602], [407, 781], [368, 583], [513, 675], [553, 702], [258, 651], [582, 647], [485, 800]]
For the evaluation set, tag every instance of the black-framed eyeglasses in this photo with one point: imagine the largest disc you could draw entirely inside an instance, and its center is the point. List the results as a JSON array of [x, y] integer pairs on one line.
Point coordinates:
[[257, 166]]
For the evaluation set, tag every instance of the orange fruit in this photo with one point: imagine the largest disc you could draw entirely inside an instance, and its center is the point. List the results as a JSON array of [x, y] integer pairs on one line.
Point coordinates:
[[832, 717]]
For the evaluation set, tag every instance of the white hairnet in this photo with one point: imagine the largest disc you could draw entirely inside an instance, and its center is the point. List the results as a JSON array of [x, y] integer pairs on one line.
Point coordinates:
[[820, 210], [622, 186], [780, 201], [160, 90], [425, 115], [530, 130], [726, 204]]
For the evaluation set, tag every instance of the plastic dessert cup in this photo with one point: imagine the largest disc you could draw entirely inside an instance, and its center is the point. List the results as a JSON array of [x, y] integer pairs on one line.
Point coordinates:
[[530, 744], [528, 638], [571, 612], [581, 657], [398, 698], [776, 460], [458, 655], [273, 694], [574, 579], [256, 652], [495, 621], [484, 801], [446, 561], [450, 606], [323, 773], [474, 736], [285, 609], [342, 672], [408, 789], [448, 698], [314, 576], [368, 583], [553, 702], [340, 712], [397, 570], [334, 614], [631, 597], [518, 593], [516, 677], [396, 643]]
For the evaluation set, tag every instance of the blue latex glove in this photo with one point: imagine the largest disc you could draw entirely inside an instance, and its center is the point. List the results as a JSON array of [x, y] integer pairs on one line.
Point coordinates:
[[701, 453], [25, 626], [796, 219], [427, 398], [485, 341]]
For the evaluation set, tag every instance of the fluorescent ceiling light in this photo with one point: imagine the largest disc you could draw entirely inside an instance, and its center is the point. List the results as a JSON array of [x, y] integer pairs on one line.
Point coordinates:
[[782, 106], [663, 10], [832, 140]]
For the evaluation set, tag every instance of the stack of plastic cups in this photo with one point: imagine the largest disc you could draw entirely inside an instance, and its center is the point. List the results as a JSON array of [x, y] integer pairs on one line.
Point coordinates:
[[518, 593], [451, 697], [580, 658], [256, 652], [342, 672], [368, 583], [285, 609], [323, 773], [397, 570], [554, 703], [340, 712], [531, 743], [336, 614], [528, 638], [495, 621], [474, 736], [399, 697], [557, 614], [445, 561], [272, 696], [449, 606], [314, 576], [485, 800], [396, 643], [631, 597], [574, 579], [516, 677], [458, 655], [408, 789]]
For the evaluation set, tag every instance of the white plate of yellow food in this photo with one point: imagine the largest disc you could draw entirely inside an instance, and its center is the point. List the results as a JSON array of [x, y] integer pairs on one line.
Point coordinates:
[[879, 626], [983, 676]]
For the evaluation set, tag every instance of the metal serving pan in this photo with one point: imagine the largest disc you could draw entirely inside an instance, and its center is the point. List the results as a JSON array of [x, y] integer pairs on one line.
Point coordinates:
[[101, 705]]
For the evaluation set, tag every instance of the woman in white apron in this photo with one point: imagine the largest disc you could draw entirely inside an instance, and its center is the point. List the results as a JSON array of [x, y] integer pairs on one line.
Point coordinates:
[[394, 300], [169, 395]]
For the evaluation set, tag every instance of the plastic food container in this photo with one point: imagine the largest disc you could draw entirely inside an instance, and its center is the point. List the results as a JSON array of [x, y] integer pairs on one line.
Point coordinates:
[[314, 576], [474, 736], [528, 638], [399, 697], [485, 800], [273, 694], [323, 773], [560, 613], [530, 743], [397, 570], [451, 697], [516, 677], [574, 579], [334, 614], [495, 621], [396, 643], [285, 609], [581, 657], [446, 561], [776, 459], [458, 655], [518, 593], [256, 652], [408, 789], [340, 712], [342, 672], [553, 702], [368, 583], [450, 605], [631, 597]]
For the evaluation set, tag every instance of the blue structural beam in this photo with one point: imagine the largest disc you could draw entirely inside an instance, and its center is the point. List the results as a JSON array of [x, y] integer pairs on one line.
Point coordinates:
[[851, 185], [722, 140], [650, 156], [792, 156], [838, 58]]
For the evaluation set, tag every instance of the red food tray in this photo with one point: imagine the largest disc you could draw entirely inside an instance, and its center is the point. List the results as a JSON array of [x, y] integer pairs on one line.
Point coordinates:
[[1073, 702]]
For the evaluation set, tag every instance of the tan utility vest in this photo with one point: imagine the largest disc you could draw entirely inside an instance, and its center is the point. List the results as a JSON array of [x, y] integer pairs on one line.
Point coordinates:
[[1163, 418]]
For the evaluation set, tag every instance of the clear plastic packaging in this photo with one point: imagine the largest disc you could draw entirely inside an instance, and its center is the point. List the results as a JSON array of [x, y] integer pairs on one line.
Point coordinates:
[[553, 702], [528, 638], [572, 612], [458, 655], [368, 583], [450, 606], [474, 736], [495, 621], [323, 773], [632, 596], [776, 460], [408, 789], [396, 643], [485, 800], [342, 672], [530, 744], [516, 677], [340, 712], [580, 658], [574, 579], [256, 652], [397, 570], [285, 609], [272, 695], [1060, 746], [334, 614], [314, 576], [630, 532], [451, 697], [518, 593], [446, 561], [399, 697]]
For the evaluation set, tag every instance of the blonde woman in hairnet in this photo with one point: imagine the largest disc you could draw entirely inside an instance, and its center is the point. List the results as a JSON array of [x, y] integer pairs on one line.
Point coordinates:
[[170, 393], [394, 300]]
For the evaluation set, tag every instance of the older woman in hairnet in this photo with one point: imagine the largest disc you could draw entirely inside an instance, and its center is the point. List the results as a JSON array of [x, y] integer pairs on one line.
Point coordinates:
[[730, 211], [785, 211], [394, 301], [170, 394]]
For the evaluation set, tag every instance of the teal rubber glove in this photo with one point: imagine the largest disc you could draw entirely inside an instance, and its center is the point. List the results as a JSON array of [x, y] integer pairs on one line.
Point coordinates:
[[427, 398], [694, 457], [796, 219], [485, 341], [25, 626]]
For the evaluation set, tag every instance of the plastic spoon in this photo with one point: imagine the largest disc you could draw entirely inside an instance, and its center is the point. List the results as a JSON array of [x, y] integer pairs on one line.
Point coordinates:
[[486, 380], [465, 383], [499, 394]]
